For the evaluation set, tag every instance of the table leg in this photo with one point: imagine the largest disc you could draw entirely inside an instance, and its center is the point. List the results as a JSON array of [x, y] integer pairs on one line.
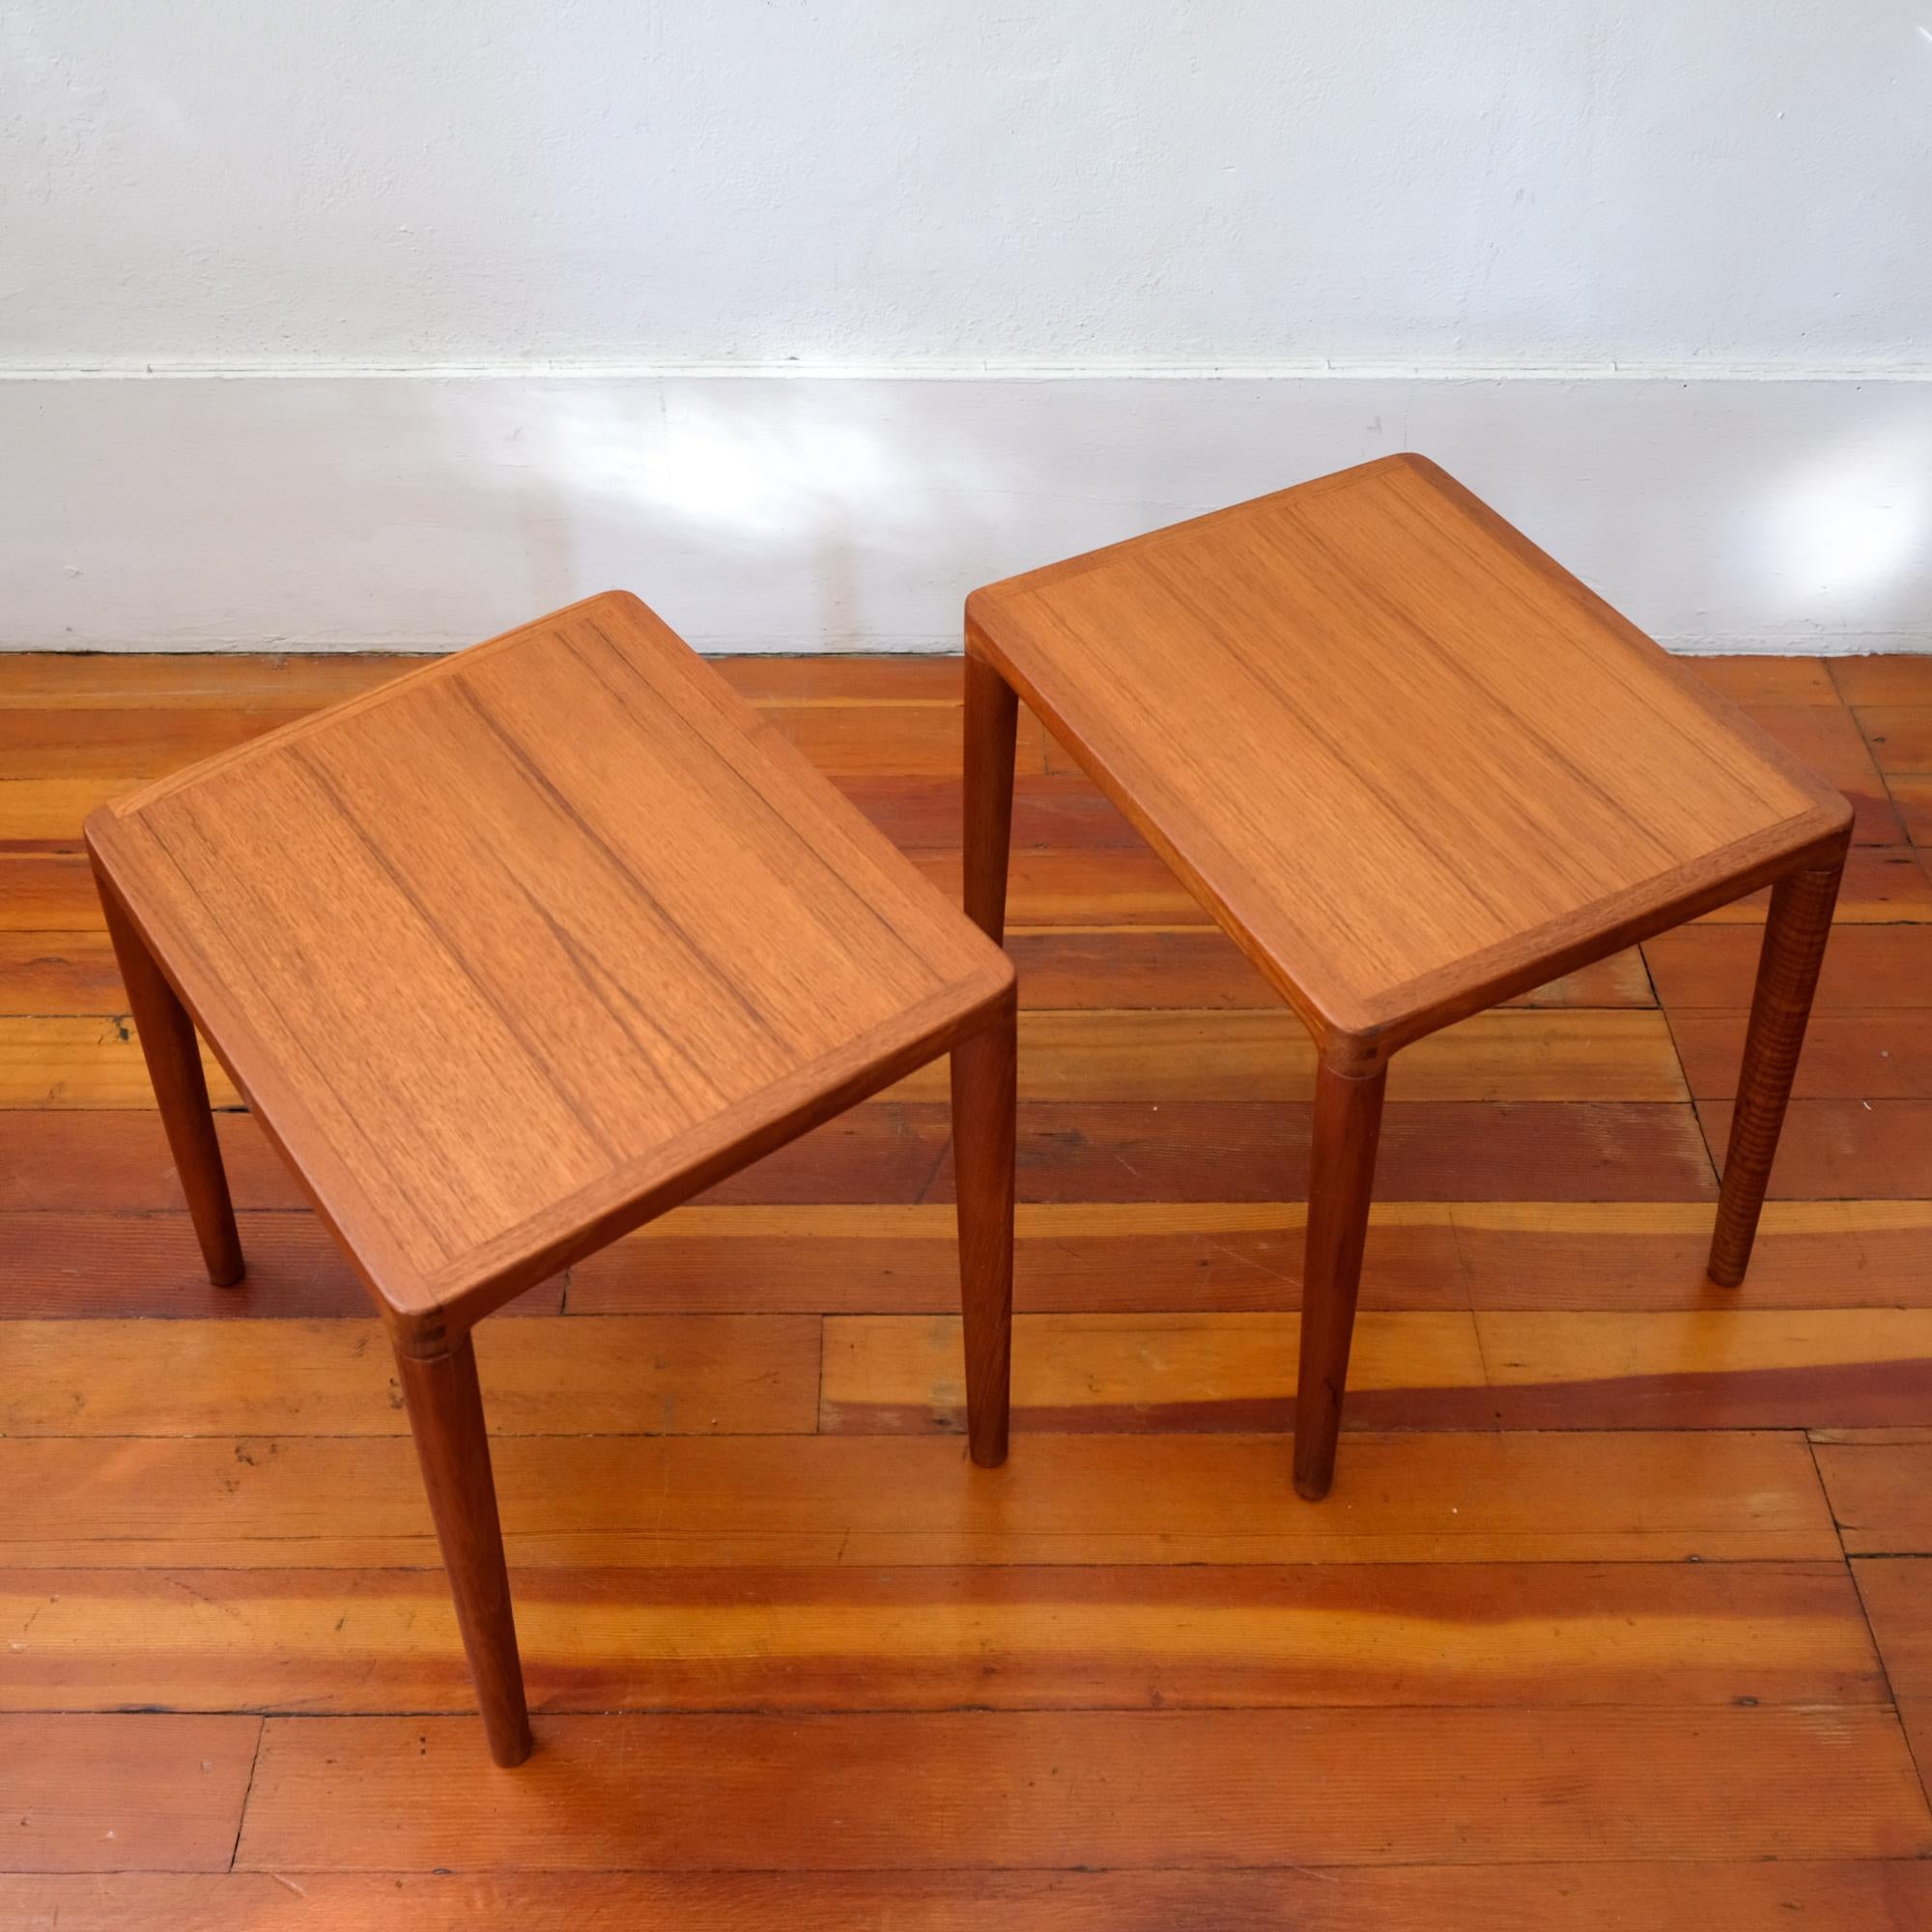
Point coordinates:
[[1795, 933], [1342, 1174], [992, 716], [453, 1445], [983, 1177], [180, 1090]]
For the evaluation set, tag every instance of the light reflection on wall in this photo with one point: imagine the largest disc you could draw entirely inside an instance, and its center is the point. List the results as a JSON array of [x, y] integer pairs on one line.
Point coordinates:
[[773, 477], [805, 513], [1850, 529]]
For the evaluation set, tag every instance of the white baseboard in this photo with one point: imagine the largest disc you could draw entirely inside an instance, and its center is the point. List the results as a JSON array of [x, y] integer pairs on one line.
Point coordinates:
[[760, 512]]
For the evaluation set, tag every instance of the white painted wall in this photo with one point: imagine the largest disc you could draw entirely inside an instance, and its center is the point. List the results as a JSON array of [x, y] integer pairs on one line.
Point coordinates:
[[1061, 182], [537, 218]]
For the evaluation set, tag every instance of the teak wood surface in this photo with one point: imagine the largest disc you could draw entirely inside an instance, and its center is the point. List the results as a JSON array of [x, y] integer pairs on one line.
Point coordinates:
[[1414, 767], [1411, 764], [1482, 1686], [532, 943]]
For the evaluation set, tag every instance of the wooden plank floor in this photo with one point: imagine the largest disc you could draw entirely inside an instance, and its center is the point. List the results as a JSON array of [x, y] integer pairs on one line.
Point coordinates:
[[1621, 1611]]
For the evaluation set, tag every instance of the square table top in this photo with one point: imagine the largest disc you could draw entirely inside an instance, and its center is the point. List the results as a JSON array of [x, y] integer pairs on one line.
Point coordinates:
[[521, 947], [1410, 763]]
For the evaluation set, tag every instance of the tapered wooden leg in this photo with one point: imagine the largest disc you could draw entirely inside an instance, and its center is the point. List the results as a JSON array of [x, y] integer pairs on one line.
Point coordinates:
[[180, 1090], [983, 1177], [992, 716], [1795, 933], [447, 1415], [1341, 1175]]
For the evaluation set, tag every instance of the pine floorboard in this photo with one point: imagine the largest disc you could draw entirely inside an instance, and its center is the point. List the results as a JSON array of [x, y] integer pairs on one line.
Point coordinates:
[[1617, 1614]]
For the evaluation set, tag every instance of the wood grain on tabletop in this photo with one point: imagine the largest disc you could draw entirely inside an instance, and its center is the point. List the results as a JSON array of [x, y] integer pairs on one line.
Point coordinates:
[[635, 852], [1577, 781]]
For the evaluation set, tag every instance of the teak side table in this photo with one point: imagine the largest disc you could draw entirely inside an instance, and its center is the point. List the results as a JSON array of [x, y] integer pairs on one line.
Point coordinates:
[[1414, 767], [511, 955]]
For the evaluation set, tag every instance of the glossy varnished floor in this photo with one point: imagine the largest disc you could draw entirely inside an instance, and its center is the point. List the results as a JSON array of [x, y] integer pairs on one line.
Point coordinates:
[[1618, 1613]]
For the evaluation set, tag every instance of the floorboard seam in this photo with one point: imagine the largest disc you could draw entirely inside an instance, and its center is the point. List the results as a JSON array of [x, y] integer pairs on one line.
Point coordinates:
[[248, 1792]]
